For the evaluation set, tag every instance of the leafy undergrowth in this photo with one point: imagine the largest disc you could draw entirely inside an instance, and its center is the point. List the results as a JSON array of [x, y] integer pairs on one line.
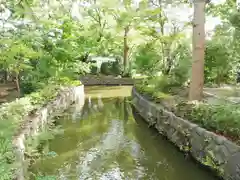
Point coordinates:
[[222, 118], [12, 115], [162, 92]]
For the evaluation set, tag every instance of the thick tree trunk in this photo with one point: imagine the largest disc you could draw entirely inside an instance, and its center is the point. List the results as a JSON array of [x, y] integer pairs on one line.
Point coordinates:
[[126, 48], [198, 45]]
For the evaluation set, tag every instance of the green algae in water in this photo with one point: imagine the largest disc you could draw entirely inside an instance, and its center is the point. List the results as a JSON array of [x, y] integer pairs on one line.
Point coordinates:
[[107, 140]]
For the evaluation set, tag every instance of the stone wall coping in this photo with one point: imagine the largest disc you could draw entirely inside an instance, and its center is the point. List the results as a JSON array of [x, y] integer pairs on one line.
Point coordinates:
[[106, 80]]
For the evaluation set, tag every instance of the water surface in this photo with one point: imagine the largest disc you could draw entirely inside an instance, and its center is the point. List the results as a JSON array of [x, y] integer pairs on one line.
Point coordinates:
[[106, 140]]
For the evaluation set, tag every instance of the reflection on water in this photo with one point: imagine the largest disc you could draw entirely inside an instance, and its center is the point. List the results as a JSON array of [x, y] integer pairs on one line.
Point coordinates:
[[102, 140]]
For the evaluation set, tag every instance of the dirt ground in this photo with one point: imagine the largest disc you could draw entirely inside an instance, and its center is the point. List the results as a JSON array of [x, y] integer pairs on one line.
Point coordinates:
[[7, 93]]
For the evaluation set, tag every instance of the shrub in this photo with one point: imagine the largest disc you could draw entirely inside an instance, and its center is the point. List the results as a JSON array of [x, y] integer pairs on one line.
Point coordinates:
[[164, 84], [116, 68], [222, 119], [217, 63], [150, 89], [27, 87], [111, 68], [147, 59], [106, 68], [94, 69]]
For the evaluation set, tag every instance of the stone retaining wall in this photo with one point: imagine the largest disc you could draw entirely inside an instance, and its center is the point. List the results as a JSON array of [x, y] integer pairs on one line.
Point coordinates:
[[35, 123], [105, 80], [209, 149]]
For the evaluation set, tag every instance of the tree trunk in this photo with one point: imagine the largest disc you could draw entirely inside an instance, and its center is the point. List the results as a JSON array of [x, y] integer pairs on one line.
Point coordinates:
[[126, 48], [198, 43], [5, 76], [17, 83]]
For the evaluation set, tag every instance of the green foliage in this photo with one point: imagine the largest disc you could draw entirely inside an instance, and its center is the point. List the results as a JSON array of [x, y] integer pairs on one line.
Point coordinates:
[[116, 68], [152, 93], [94, 69], [222, 10], [63, 81], [156, 88], [34, 55], [217, 63], [111, 68], [222, 119], [12, 115], [28, 87], [180, 71], [106, 68], [147, 59], [234, 19]]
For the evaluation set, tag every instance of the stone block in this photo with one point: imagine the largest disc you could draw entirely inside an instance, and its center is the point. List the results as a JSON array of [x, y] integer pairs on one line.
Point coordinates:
[[220, 140], [170, 131], [232, 147], [197, 144], [232, 167], [221, 154], [154, 111]]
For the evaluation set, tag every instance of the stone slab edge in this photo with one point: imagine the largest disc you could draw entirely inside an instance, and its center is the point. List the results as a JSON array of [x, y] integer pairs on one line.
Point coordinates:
[[211, 150], [33, 124], [91, 80]]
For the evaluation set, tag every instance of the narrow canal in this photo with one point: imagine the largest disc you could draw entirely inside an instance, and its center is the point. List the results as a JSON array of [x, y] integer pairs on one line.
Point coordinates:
[[106, 140]]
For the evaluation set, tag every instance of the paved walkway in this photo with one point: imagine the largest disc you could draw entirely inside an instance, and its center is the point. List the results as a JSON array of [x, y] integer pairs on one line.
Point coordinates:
[[226, 93]]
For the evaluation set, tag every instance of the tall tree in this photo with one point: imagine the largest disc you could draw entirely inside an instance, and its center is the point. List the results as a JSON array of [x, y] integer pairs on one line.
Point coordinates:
[[126, 16], [198, 50]]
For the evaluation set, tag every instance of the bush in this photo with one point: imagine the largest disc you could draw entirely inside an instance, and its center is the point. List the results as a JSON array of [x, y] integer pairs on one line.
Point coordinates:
[[147, 59], [154, 89], [164, 84], [94, 69], [106, 68], [217, 68], [27, 87], [116, 68], [222, 119], [111, 68]]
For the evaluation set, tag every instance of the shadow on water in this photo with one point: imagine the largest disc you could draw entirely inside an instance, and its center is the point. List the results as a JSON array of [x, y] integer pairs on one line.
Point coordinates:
[[105, 140]]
